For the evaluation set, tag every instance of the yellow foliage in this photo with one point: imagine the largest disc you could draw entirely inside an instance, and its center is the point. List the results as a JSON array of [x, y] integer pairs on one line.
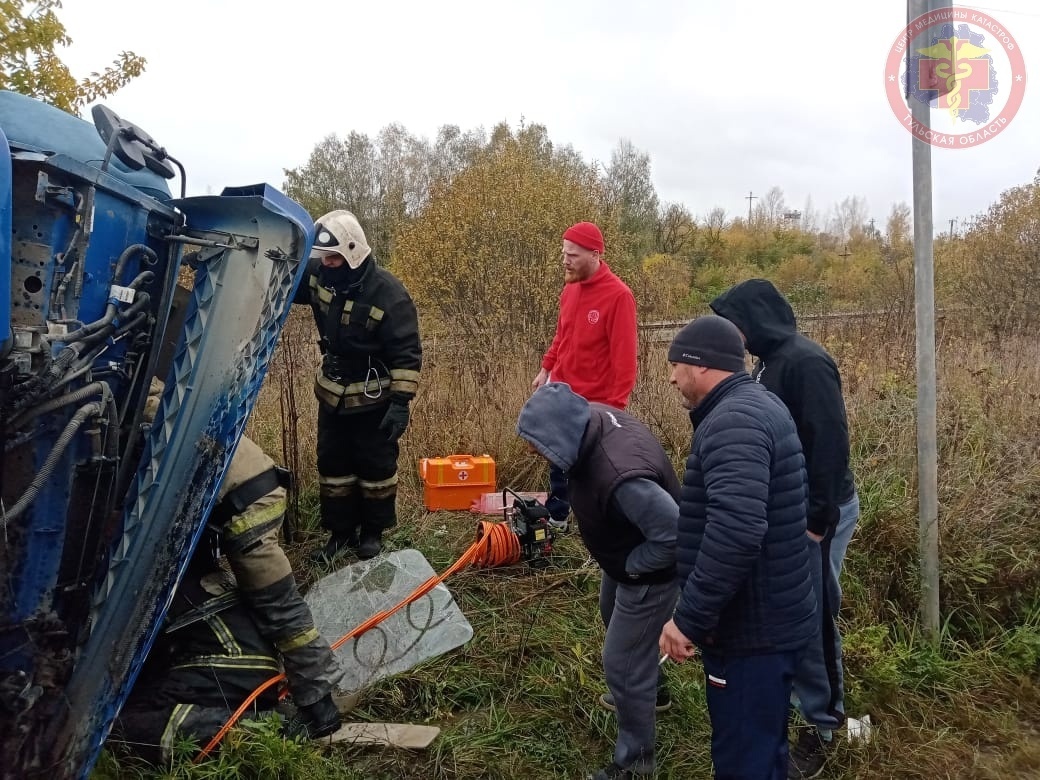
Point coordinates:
[[799, 269], [484, 255], [711, 280], [29, 35], [999, 263], [662, 287]]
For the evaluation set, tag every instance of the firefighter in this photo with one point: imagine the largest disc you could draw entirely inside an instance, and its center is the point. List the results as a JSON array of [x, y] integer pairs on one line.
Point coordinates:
[[368, 332], [212, 653], [248, 516], [230, 628]]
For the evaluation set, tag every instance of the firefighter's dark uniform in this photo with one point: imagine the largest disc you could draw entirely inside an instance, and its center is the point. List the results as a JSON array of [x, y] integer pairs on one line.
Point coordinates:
[[209, 658], [225, 634], [371, 358], [249, 514]]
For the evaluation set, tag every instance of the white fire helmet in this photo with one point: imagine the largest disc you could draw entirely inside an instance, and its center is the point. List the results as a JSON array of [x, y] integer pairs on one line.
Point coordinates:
[[338, 232]]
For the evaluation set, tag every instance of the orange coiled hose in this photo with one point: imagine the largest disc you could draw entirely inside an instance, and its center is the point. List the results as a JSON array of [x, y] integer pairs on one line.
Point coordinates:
[[496, 545]]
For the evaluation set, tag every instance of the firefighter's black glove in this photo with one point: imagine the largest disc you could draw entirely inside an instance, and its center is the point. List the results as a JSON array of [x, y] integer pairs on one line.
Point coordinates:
[[395, 420]]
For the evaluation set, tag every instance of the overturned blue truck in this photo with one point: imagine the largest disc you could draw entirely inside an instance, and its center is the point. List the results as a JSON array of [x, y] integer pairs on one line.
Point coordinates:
[[99, 511]]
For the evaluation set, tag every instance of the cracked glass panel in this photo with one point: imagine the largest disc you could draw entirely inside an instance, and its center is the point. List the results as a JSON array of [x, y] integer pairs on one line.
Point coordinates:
[[424, 629]]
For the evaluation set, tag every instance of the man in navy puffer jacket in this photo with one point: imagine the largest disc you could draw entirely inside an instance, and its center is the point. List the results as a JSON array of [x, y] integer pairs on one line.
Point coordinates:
[[746, 599]]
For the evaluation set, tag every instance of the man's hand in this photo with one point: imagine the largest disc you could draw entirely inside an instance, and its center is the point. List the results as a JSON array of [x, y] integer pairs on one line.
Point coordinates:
[[815, 537], [674, 643], [539, 380], [395, 421]]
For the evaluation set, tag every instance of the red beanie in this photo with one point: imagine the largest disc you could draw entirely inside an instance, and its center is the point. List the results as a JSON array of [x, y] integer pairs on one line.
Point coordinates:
[[585, 234]]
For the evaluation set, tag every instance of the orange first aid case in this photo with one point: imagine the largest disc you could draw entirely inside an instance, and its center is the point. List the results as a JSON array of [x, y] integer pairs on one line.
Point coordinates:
[[456, 481]]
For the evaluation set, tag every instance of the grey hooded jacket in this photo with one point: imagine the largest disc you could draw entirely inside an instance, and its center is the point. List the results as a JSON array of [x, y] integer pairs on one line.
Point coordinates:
[[623, 487]]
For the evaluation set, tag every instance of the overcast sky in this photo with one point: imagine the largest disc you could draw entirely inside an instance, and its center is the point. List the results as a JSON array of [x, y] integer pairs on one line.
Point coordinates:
[[726, 97]]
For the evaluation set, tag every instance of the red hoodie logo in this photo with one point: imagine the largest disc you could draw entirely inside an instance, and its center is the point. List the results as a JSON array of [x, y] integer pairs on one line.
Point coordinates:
[[593, 316]]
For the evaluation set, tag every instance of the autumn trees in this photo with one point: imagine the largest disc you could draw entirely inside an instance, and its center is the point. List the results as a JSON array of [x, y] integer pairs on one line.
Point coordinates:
[[472, 222], [485, 252], [995, 268], [29, 64]]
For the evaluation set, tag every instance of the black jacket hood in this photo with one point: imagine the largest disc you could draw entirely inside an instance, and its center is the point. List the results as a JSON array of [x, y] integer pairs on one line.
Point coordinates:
[[760, 311]]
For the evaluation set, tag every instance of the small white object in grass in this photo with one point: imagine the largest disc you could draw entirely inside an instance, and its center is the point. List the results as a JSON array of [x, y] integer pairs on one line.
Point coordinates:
[[859, 729]]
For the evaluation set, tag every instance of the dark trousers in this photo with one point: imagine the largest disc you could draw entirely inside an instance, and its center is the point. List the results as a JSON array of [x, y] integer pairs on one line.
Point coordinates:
[[357, 472], [153, 732], [634, 615], [195, 677], [267, 586], [558, 502], [748, 703]]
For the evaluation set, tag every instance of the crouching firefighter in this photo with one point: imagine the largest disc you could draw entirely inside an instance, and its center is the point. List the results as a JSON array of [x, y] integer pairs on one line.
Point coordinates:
[[371, 358], [236, 620]]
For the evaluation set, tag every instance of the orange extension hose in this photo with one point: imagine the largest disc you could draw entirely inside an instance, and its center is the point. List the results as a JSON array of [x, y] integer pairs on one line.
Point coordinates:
[[496, 545]]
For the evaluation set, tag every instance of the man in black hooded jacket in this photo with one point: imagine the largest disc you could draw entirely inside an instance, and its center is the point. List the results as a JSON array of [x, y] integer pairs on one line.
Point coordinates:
[[804, 376]]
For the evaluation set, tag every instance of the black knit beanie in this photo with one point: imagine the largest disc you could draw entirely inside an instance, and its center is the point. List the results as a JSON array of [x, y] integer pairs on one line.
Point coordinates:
[[709, 341]]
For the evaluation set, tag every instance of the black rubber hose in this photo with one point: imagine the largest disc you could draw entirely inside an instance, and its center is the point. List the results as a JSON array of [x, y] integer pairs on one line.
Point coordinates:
[[111, 309], [57, 403], [92, 409], [142, 300], [129, 252]]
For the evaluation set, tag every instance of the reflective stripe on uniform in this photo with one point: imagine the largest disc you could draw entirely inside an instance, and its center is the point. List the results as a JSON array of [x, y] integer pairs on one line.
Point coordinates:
[[335, 395], [169, 735], [404, 380], [254, 518], [383, 488], [325, 295], [378, 484], [264, 662], [344, 318], [224, 635], [321, 299], [336, 487], [375, 314], [293, 642]]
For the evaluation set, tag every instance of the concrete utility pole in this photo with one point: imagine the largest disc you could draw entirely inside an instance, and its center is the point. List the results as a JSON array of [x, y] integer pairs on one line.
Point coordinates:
[[924, 300], [750, 197], [953, 226]]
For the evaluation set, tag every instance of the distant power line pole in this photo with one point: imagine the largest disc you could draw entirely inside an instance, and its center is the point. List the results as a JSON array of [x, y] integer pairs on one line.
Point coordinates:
[[872, 233], [750, 197], [953, 226]]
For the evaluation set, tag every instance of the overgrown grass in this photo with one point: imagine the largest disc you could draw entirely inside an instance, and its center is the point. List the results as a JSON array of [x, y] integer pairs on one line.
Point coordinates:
[[519, 700]]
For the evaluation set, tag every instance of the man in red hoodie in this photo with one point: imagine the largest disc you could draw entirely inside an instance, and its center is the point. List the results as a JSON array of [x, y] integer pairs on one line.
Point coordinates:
[[594, 349]]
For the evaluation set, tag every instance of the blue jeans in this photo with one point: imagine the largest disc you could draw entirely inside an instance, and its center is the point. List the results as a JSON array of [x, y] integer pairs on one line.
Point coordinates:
[[819, 686], [748, 702]]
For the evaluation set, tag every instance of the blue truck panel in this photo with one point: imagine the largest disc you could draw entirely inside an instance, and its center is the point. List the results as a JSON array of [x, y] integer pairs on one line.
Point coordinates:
[[101, 512]]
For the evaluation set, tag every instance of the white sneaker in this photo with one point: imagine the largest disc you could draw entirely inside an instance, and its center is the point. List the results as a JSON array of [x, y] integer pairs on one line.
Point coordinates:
[[561, 526]]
